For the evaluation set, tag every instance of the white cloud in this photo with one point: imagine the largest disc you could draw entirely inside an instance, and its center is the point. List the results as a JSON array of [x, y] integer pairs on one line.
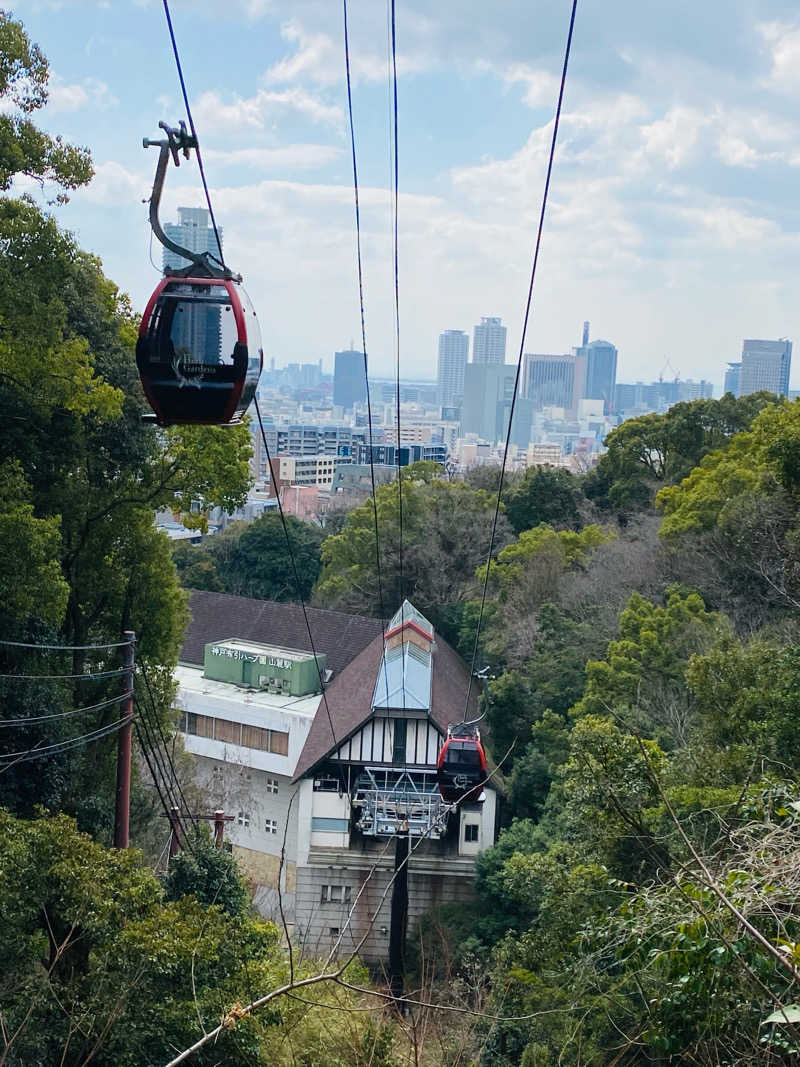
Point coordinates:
[[257, 112], [782, 41], [300, 156], [90, 92]]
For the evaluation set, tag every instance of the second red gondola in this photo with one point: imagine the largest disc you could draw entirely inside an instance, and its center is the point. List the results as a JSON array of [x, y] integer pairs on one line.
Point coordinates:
[[461, 767]]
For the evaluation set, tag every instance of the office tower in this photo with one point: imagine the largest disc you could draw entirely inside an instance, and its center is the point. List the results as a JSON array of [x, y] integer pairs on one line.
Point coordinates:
[[765, 365], [601, 369], [453, 352], [349, 381], [732, 375], [196, 330], [488, 389], [554, 381], [489, 342]]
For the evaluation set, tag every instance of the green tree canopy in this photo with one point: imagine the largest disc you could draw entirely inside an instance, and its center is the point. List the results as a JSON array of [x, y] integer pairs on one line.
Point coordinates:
[[545, 495], [25, 149]]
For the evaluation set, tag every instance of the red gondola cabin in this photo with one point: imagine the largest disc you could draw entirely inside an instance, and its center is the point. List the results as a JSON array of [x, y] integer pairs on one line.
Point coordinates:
[[461, 768], [199, 351]]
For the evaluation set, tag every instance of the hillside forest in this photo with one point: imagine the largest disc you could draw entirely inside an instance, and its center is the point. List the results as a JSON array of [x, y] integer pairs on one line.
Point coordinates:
[[643, 650]]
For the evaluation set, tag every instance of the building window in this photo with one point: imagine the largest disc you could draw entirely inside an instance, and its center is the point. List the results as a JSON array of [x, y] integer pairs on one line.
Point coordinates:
[[228, 732], [471, 830], [255, 737], [243, 818], [399, 747], [217, 778], [333, 931], [279, 742], [335, 894], [270, 826], [272, 785]]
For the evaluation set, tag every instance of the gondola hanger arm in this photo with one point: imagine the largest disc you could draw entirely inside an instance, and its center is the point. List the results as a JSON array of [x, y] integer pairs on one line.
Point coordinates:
[[179, 141]]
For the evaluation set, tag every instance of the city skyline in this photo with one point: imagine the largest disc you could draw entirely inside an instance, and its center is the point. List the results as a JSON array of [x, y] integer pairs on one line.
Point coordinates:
[[671, 224]]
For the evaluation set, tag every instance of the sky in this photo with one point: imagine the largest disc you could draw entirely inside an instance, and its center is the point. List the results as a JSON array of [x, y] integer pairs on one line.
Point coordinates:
[[673, 223]]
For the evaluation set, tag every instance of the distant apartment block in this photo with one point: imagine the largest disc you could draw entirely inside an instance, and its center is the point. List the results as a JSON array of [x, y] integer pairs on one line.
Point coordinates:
[[453, 352], [489, 342], [193, 232], [765, 365], [349, 382]]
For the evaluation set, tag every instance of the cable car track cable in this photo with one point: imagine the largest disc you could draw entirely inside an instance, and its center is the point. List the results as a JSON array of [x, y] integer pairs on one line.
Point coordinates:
[[526, 317], [396, 265], [364, 335], [294, 570], [193, 129], [167, 808]]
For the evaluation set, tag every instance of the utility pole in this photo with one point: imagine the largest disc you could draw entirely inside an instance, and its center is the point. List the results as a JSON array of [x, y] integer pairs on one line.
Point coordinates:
[[399, 916], [122, 813]]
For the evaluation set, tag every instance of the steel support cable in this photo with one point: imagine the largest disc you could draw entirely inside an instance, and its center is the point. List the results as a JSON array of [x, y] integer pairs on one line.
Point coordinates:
[[193, 129], [152, 741], [526, 317], [396, 264], [170, 761], [364, 337], [25, 720], [295, 573], [63, 746], [66, 648]]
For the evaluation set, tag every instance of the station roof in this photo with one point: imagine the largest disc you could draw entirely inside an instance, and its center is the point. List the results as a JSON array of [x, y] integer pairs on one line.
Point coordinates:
[[216, 616]]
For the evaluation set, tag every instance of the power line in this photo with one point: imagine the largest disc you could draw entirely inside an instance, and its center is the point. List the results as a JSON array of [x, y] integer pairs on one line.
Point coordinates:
[[193, 129], [167, 753], [36, 752], [67, 648], [298, 588], [25, 720], [521, 348], [84, 677], [167, 807], [152, 744], [364, 334]]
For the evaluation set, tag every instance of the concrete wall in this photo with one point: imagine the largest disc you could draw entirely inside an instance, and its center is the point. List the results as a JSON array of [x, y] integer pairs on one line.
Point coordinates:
[[430, 884]]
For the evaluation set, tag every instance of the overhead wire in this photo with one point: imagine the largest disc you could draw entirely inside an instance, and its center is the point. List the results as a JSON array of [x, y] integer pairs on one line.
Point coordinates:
[[360, 270], [148, 740], [164, 803], [66, 648], [295, 572], [28, 719], [162, 735], [193, 129], [526, 317], [396, 278], [89, 677], [37, 751]]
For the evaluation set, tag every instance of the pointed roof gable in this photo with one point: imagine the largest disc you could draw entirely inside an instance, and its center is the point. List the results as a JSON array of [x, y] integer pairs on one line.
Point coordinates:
[[362, 685]]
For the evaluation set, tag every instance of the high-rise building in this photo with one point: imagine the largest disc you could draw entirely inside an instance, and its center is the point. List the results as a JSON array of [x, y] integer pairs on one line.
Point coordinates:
[[489, 342], [349, 382], [601, 369], [732, 375], [453, 352], [488, 389], [197, 329], [194, 232], [765, 365], [554, 381]]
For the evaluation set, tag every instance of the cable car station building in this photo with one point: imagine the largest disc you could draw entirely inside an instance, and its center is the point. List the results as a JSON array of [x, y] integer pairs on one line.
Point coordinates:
[[345, 772]]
